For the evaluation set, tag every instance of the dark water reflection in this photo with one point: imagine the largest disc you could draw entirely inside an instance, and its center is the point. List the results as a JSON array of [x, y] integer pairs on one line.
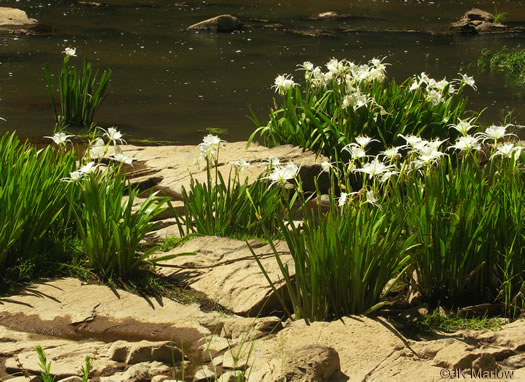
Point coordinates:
[[169, 84]]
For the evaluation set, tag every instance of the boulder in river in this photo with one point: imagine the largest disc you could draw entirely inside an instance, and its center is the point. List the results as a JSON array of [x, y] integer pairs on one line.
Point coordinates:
[[478, 21], [217, 24]]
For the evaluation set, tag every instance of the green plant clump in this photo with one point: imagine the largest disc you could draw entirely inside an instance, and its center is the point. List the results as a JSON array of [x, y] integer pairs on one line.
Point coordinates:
[[109, 230], [55, 206], [79, 94], [229, 208], [468, 218], [332, 108], [510, 61], [33, 199], [343, 261]]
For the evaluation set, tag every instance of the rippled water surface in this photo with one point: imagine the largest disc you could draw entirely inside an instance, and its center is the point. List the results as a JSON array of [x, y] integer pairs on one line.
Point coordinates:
[[170, 84]]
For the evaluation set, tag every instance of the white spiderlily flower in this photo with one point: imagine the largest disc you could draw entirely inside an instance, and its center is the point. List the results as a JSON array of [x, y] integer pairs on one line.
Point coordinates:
[[88, 168], [372, 199], [362, 141], [412, 141], [387, 175], [391, 153], [463, 126], [467, 143], [70, 52], [113, 135], [273, 161], [280, 175], [74, 177], [342, 199], [241, 164], [122, 158], [97, 149], [429, 154], [467, 80], [60, 138], [507, 150], [210, 146], [495, 132], [374, 168], [283, 83], [356, 152]]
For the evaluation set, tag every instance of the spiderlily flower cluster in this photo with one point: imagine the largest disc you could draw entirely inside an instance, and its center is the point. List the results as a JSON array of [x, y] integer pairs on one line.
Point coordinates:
[[209, 148], [282, 174], [96, 150]]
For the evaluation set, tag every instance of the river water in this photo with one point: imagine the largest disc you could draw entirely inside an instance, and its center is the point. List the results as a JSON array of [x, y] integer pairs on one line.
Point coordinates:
[[169, 84]]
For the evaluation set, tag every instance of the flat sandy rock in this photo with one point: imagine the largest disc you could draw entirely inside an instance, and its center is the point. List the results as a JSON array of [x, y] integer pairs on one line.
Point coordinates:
[[169, 168], [358, 348], [68, 308], [225, 270], [14, 17]]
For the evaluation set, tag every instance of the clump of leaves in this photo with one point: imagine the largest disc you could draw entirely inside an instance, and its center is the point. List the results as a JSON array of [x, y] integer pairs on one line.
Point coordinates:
[[510, 61], [80, 93], [455, 322]]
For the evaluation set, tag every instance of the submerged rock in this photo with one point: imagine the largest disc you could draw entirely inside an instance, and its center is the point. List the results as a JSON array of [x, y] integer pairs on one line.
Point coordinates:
[[312, 33], [218, 24], [330, 15]]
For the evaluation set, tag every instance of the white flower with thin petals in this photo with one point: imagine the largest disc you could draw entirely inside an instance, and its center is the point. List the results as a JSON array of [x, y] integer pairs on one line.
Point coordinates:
[[356, 152], [273, 161], [307, 65], [507, 150], [88, 168], [97, 149], [241, 164], [283, 83], [291, 170], [424, 78], [60, 138], [374, 168], [113, 135], [326, 167], [429, 154], [495, 133], [463, 126], [467, 143], [70, 52], [392, 153], [387, 175], [440, 85], [336, 67], [210, 146], [436, 143], [435, 97], [371, 198], [411, 140], [362, 141], [122, 158], [342, 199], [281, 174], [74, 176], [415, 85], [356, 100], [467, 80]]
